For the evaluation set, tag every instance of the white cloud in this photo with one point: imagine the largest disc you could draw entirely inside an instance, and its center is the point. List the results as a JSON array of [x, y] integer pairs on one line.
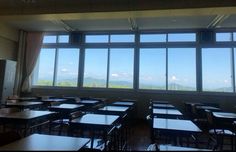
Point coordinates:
[[64, 70], [173, 78], [115, 75], [226, 81]]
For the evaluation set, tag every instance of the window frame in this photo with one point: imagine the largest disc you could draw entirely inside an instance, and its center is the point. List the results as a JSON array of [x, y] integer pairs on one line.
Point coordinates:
[[81, 45]]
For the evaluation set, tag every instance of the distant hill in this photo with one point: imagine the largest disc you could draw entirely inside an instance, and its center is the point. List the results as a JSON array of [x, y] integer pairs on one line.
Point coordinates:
[[93, 82]]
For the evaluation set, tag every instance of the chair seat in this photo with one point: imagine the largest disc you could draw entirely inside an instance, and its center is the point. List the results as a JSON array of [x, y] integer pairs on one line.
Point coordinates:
[[201, 120], [221, 132]]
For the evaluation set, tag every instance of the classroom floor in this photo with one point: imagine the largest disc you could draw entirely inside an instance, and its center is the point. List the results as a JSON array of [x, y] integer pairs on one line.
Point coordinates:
[[140, 136]]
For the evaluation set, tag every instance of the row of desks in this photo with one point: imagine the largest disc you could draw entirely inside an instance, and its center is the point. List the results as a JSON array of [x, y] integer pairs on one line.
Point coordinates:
[[92, 121], [167, 119]]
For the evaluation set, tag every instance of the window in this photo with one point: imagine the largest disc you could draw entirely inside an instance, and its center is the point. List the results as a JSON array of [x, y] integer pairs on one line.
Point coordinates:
[[152, 38], [50, 39], [182, 37], [235, 66], [234, 36], [182, 69], [44, 71], [223, 37], [216, 69], [152, 69], [67, 67], [95, 68], [63, 38], [122, 38], [121, 68], [96, 38]]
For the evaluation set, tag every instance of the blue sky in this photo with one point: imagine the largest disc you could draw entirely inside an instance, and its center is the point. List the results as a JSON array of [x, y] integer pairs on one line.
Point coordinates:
[[181, 62]]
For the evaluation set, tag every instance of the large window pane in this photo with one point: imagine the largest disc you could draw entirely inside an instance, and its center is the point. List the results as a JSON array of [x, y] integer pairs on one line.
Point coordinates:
[[152, 38], [121, 68], [50, 39], [122, 38], [223, 37], [182, 69], [152, 69], [63, 38], [96, 38], [216, 69], [234, 36], [43, 73], [182, 37], [67, 67], [235, 66], [95, 68]]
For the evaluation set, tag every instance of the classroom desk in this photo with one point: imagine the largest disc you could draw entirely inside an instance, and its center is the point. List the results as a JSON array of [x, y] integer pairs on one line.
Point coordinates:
[[95, 122], [49, 102], [167, 113], [26, 118], [66, 109], [159, 102], [24, 104], [114, 110], [40, 142], [164, 106], [26, 98], [178, 148], [224, 119], [225, 115], [174, 128], [89, 102], [203, 108], [175, 125], [123, 103]]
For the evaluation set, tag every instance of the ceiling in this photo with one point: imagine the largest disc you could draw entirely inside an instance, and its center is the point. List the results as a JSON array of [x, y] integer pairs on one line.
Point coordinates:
[[35, 15]]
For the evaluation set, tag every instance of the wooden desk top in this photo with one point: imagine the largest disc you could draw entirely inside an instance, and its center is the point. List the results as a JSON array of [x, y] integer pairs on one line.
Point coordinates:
[[226, 115], [23, 103], [67, 106], [159, 105], [211, 108], [160, 102], [175, 125], [53, 100], [27, 98], [39, 142], [26, 115], [89, 101], [96, 119], [167, 111], [178, 148], [115, 108], [123, 103]]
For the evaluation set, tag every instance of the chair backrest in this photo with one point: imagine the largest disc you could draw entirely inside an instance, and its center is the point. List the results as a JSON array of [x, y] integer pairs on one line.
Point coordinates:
[[209, 117], [75, 115], [55, 103]]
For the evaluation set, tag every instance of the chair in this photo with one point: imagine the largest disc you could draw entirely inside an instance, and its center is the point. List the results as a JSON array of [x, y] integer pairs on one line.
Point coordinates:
[[219, 132]]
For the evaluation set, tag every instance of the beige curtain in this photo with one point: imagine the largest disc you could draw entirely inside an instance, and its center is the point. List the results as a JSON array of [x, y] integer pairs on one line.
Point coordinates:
[[33, 45], [20, 61]]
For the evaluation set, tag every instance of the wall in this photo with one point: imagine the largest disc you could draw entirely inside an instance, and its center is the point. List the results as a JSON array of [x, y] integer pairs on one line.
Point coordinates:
[[8, 42], [226, 102]]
